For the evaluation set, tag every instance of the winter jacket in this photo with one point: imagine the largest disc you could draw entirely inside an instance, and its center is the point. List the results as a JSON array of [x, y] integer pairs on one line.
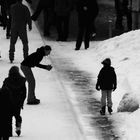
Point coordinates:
[[6, 112], [63, 7], [34, 59], [107, 79], [17, 88], [91, 5], [20, 16]]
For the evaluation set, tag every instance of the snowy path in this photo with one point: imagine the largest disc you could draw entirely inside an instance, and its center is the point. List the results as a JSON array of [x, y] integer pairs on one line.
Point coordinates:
[[53, 119], [80, 92]]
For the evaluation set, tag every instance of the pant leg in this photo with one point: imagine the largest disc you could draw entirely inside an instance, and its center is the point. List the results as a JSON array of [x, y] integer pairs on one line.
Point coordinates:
[[88, 30], [109, 98], [135, 19], [24, 39], [119, 18], [13, 40], [18, 117], [129, 19], [103, 97], [31, 82], [81, 30]]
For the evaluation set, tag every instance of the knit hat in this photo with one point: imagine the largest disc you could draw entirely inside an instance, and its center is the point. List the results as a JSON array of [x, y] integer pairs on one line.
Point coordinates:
[[106, 61]]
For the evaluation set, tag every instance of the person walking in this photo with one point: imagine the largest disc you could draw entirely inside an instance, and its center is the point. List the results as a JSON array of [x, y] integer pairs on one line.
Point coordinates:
[[106, 82], [6, 5], [33, 60], [87, 13], [62, 10], [47, 6], [17, 93], [6, 109], [20, 18]]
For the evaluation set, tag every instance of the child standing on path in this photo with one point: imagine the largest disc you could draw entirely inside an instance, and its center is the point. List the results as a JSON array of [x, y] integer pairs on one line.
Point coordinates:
[[20, 18], [106, 82], [15, 83], [33, 60]]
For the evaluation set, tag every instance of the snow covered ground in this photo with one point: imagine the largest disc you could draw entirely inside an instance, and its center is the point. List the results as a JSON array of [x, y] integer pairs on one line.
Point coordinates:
[[53, 119], [124, 51]]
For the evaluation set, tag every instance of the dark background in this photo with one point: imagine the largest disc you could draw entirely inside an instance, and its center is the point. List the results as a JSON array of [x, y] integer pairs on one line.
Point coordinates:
[[106, 12]]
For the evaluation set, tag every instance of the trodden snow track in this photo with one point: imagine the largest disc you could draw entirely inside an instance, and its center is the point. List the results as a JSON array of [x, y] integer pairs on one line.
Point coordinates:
[[89, 107]]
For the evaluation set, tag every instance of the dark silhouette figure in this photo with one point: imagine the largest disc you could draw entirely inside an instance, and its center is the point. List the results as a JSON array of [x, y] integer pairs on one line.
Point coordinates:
[[6, 109], [47, 6], [3, 16], [87, 13], [33, 60], [122, 9], [106, 82], [62, 11], [15, 83], [6, 15], [20, 18]]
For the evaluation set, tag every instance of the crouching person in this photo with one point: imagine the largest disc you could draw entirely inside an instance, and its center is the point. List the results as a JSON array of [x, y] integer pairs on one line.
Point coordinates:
[[15, 83], [106, 82], [31, 61]]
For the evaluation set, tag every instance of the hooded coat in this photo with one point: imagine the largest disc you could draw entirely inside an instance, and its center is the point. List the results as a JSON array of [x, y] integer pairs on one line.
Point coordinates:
[[107, 78], [17, 88], [6, 110]]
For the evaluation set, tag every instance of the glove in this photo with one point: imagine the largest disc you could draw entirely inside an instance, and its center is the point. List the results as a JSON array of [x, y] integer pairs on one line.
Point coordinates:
[[114, 88], [97, 87], [48, 67]]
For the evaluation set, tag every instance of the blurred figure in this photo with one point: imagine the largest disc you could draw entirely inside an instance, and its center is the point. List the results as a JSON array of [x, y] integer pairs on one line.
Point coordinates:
[[62, 11], [106, 82], [17, 93], [48, 14], [33, 60], [3, 13], [87, 13], [6, 7], [134, 6], [122, 9], [20, 18]]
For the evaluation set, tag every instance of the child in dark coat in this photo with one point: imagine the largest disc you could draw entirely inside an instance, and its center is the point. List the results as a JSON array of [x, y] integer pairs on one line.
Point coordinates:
[[16, 85], [6, 109], [106, 82]]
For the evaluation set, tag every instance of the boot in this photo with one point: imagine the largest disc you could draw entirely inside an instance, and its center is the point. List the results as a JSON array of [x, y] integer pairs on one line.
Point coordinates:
[[110, 110], [18, 129], [102, 111]]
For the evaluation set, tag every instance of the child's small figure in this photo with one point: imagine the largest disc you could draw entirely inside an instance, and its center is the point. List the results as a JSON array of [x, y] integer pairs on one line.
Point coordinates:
[[6, 109], [106, 82], [15, 82]]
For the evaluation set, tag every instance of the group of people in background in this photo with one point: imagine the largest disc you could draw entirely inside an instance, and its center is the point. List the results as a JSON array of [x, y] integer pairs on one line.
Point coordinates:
[[55, 12], [58, 12], [129, 9]]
